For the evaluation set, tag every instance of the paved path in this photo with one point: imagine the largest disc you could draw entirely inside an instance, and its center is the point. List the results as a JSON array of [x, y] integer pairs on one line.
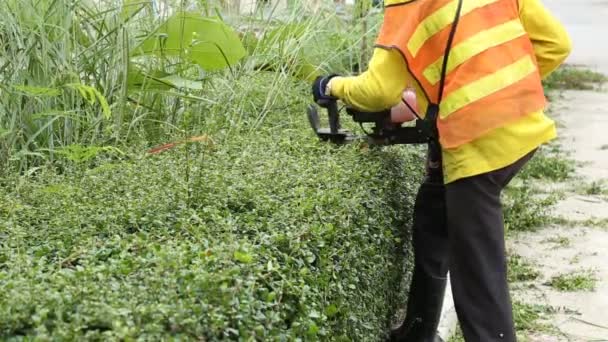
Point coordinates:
[[582, 316]]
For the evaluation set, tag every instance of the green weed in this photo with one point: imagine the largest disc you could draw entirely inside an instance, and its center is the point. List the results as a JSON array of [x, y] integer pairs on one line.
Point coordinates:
[[591, 222], [549, 163], [576, 281], [594, 188], [570, 77], [520, 270], [524, 210], [526, 316]]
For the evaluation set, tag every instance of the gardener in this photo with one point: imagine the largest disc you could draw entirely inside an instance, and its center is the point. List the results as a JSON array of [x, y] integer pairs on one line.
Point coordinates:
[[487, 101]]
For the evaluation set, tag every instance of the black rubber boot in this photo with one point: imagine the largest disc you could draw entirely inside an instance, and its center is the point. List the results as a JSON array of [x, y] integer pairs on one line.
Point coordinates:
[[430, 242], [423, 310]]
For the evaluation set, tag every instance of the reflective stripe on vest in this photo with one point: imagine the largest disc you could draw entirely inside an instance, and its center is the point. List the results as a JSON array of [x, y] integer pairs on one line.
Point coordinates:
[[492, 77]]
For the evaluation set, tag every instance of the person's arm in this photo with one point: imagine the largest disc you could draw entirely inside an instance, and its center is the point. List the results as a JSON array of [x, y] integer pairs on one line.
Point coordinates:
[[378, 88], [551, 41]]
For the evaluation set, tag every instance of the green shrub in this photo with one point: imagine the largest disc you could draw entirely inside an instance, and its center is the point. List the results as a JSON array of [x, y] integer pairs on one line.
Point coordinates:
[[263, 236]]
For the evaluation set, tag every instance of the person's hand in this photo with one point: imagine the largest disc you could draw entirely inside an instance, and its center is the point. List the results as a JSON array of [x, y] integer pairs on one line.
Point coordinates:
[[318, 91], [401, 112]]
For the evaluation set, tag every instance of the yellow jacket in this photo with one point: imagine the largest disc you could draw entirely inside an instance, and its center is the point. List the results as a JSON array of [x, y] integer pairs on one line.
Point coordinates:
[[381, 86]]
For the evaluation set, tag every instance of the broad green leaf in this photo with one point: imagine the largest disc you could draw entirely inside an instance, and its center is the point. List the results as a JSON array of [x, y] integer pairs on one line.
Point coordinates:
[[38, 91], [139, 80], [207, 42], [180, 82]]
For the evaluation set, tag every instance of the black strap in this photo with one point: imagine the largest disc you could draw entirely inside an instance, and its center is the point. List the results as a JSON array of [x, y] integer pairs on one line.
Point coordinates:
[[448, 48], [434, 158], [433, 108]]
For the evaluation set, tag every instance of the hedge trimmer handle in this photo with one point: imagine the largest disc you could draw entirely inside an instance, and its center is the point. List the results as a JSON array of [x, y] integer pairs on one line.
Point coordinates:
[[383, 132]]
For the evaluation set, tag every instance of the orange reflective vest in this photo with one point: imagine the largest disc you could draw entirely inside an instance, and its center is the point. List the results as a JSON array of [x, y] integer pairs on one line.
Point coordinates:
[[492, 77]]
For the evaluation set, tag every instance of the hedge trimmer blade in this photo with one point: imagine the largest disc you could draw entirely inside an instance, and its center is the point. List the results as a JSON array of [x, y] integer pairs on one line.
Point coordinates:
[[313, 118], [338, 136]]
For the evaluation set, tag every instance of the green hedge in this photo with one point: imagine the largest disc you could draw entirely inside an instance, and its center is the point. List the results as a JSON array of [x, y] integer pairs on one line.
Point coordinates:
[[269, 235]]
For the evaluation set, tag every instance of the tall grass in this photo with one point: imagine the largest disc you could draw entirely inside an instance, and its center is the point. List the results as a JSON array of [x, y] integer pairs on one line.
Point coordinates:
[[54, 52], [68, 77]]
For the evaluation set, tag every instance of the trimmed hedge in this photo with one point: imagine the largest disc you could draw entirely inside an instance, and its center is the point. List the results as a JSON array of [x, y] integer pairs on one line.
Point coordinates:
[[264, 236]]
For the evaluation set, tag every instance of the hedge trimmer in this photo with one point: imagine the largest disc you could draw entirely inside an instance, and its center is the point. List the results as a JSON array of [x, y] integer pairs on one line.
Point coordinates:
[[383, 131]]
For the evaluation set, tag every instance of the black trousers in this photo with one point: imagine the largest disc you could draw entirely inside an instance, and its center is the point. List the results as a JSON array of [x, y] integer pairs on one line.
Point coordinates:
[[459, 227]]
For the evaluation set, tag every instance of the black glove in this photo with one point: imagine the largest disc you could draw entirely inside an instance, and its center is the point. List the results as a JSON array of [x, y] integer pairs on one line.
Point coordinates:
[[318, 91]]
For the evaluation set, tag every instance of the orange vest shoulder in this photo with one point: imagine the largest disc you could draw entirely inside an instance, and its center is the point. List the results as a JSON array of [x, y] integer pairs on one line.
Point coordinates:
[[492, 76]]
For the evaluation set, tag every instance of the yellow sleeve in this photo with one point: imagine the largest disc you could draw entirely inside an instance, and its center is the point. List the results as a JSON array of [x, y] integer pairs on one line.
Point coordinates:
[[379, 87], [551, 41]]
